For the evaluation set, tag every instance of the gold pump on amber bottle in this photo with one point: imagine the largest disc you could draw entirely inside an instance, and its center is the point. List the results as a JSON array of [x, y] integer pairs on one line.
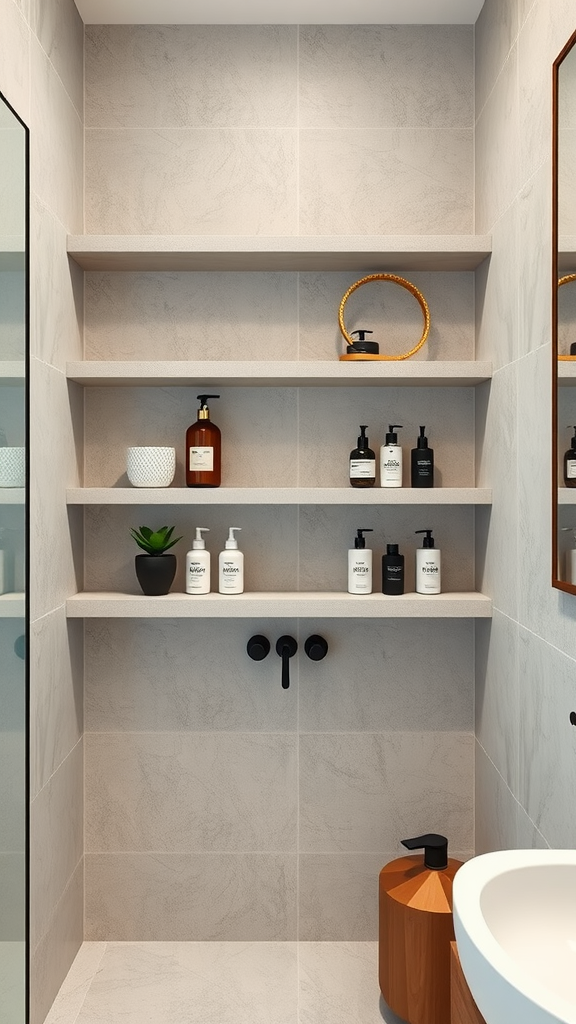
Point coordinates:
[[203, 449]]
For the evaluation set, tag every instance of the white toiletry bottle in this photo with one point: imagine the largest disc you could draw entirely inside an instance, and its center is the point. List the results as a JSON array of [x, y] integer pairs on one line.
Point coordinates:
[[231, 566], [198, 565], [360, 565], [571, 556], [428, 578], [391, 459]]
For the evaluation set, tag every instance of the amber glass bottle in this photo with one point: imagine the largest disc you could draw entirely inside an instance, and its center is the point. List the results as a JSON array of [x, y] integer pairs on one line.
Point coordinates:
[[203, 449]]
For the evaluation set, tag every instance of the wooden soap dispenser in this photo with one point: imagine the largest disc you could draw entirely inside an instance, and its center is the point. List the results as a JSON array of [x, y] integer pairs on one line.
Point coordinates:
[[415, 931]]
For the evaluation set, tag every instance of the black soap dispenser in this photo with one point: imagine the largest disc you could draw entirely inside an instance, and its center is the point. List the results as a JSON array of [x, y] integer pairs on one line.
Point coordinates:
[[361, 346], [422, 462], [570, 462], [362, 465], [392, 571]]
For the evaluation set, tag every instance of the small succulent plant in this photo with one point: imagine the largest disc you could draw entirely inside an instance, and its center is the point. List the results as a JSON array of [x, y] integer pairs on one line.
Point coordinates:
[[154, 542]]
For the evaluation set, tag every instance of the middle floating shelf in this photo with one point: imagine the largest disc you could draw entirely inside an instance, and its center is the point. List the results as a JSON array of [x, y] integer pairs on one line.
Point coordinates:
[[278, 496]]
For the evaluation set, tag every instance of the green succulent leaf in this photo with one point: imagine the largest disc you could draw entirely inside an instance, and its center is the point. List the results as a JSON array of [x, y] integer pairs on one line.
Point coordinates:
[[154, 542]]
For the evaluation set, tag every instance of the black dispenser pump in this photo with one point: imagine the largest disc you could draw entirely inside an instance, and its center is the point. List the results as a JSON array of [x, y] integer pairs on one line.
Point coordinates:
[[422, 441], [435, 849], [359, 541], [363, 442], [392, 436], [203, 399], [428, 541], [361, 345], [573, 439]]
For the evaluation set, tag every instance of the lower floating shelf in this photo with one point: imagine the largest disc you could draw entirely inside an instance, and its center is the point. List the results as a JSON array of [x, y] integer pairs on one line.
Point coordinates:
[[98, 605], [12, 606]]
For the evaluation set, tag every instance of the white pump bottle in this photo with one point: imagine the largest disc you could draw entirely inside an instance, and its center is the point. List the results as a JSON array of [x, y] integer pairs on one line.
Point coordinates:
[[570, 556], [231, 566], [198, 565]]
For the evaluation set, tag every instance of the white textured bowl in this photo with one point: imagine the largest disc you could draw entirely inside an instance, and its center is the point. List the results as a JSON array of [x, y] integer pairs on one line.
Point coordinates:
[[151, 467], [12, 467]]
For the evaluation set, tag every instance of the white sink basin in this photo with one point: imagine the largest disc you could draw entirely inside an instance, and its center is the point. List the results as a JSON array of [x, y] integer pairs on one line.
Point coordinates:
[[515, 924]]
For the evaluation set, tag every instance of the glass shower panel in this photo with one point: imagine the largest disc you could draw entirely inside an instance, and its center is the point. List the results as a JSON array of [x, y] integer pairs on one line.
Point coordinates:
[[13, 644]]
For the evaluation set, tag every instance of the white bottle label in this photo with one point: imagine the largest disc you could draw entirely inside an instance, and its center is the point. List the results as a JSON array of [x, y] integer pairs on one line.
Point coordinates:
[[231, 574], [360, 571], [198, 573], [201, 460], [391, 466], [571, 469], [362, 469], [428, 571]]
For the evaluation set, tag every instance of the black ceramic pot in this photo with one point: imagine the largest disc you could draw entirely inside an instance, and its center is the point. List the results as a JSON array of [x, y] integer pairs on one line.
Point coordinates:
[[155, 573]]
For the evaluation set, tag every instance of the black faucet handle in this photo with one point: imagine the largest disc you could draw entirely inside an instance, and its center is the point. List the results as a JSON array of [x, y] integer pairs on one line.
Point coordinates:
[[258, 647], [286, 647], [316, 647]]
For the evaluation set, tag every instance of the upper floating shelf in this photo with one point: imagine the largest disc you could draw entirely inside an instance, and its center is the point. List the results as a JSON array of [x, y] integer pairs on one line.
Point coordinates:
[[360, 253], [317, 373], [12, 371], [566, 253], [566, 373]]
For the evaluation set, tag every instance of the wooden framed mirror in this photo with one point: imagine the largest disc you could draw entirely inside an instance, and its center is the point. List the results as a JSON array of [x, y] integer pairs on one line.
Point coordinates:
[[564, 320]]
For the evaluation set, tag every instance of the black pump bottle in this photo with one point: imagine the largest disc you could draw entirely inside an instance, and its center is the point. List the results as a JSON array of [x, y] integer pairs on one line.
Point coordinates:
[[570, 462], [392, 571], [362, 464], [422, 462]]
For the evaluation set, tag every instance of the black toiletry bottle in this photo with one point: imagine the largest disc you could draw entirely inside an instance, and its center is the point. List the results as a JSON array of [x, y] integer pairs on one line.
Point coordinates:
[[362, 462], [422, 466], [570, 462], [392, 571]]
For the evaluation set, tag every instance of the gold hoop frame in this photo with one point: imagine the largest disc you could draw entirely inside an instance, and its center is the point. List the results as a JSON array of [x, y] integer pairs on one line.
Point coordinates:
[[404, 284], [566, 280]]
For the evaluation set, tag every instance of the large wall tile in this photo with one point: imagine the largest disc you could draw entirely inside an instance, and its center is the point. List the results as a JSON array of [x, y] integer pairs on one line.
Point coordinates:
[[497, 132], [77, 983], [187, 897], [191, 316], [55, 535], [190, 792], [328, 532], [55, 952], [15, 58], [57, 291], [56, 829], [269, 541], [388, 675], [180, 981], [191, 76], [496, 299], [548, 743], [497, 548], [494, 35], [498, 710], [353, 915], [56, 665], [56, 143], [381, 181], [364, 791], [60, 31], [377, 90], [155, 676], [535, 260], [215, 181], [252, 423], [329, 421], [495, 806], [390, 312]]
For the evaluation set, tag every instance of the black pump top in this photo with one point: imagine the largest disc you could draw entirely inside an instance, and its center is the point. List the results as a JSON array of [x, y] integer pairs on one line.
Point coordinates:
[[359, 541], [361, 345], [573, 439], [435, 849], [363, 442], [422, 441], [391, 549], [391, 436], [428, 541], [573, 348], [203, 399]]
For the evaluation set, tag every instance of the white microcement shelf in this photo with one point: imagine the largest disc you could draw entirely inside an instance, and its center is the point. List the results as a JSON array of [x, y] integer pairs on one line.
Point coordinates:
[[12, 371], [12, 606], [278, 496], [12, 495], [237, 373], [567, 495], [566, 373], [279, 605], [286, 253]]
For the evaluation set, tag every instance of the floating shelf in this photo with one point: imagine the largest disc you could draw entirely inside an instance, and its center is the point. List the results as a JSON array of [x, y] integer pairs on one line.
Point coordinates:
[[279, 605], [566, 373], [237, 373], [567, 495], [12, 372], [12, 495], [278, 496], [273, 253], [12, 606], [566, 253]]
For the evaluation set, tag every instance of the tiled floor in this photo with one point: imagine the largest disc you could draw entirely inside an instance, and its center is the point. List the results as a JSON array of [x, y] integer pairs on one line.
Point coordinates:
[[222, 983]]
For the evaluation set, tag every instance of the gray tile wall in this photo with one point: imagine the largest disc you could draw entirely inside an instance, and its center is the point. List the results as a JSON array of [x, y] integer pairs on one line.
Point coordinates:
[[525, 659], [41, 62], [219, 806]]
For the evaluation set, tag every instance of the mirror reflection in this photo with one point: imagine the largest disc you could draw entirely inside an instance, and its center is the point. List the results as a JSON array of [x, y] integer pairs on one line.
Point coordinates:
[[13, 343]]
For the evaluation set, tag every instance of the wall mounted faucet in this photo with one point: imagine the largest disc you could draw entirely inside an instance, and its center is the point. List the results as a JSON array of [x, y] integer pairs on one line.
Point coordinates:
[[286, 647], [258, 648]]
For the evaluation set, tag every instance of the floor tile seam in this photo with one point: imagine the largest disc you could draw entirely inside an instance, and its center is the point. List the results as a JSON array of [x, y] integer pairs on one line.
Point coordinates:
[[97, 967]]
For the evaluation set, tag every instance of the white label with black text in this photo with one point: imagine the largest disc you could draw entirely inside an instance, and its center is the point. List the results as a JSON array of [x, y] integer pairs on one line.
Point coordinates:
[[201, 460]]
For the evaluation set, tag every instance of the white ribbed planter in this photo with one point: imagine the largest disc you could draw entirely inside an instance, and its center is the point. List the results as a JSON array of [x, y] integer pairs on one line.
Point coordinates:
[[150, 467], [12, 467]]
